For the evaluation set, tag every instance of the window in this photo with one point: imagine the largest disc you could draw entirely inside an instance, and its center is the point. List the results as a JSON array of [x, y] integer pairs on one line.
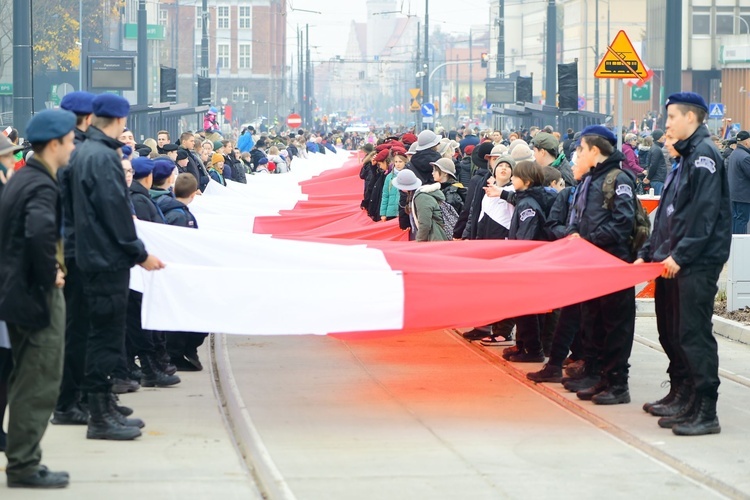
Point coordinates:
[[222, 56], [222, 17], [725, 21], [245, 17], [199, 18], [701, 20], [744, 21], [240, 94], [163, 17], [198, 59], [244, 56]]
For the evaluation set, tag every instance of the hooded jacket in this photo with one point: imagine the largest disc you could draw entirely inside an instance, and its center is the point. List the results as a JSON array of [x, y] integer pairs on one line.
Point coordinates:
[[608, 229], [428, 216], [693, 222], [561, 164], [390, 197], [176, 213], [105, 239], [420, 165], [145, 208]]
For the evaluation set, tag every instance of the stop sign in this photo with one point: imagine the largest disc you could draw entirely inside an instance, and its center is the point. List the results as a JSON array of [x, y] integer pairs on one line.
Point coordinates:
[[294, 120]]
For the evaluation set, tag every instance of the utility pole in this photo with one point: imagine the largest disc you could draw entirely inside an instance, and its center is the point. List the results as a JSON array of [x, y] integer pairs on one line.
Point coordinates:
[[673, 49], [426, 87], [471, 75], [500, 70], [142, 54], [609, 89], [300, 84], [597, 107], [204, 40], [308, 83], [551, 72], [23, 97], [418, 84]]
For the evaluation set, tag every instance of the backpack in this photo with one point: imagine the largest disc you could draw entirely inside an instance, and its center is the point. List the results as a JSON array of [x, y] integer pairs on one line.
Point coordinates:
[[642, 224], [450, 217]]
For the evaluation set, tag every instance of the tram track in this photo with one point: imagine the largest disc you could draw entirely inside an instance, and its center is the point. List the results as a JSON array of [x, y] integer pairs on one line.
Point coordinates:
[[693, 473]]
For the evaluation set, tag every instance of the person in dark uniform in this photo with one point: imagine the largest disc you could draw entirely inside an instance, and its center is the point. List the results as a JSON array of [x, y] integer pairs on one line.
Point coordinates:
[[605, 219], [106, 247], [69, 410], [692, 236], [31, 298]]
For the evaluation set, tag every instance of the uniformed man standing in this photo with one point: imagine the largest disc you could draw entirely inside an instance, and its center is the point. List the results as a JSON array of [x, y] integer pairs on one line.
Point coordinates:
[[692, 236], [106, 248], [69, 410], [31, 297]]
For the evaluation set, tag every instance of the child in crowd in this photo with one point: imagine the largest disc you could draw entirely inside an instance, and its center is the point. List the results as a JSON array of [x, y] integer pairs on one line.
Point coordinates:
[[391, 194], [528, 223], [216, 169], [553, 181], [175, 208]]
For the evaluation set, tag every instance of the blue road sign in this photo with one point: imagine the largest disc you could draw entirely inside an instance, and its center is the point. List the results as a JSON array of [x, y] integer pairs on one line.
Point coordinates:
[[716, 110], [428, 110]]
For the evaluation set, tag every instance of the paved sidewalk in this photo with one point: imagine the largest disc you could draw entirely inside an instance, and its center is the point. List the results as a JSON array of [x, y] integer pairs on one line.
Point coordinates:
[[431, 416], [185, 452]]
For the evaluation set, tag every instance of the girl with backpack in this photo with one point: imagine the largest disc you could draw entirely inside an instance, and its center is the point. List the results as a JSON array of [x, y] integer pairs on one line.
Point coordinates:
[[424, 206]]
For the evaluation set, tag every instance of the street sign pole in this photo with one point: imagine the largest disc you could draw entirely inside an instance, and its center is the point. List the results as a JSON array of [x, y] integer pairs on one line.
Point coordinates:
[[620, 120]]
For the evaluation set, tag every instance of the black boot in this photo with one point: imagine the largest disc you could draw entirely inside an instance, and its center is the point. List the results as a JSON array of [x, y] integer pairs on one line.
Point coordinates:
[[613, 395], [165, 363], [684, 414], [3, 439], [681, 396], [704, 419], [134, 371], [103, 425], [673, 385], [581, 384], [153, 376], [73, 415], [120, 418], [123, 410], [590, 392]]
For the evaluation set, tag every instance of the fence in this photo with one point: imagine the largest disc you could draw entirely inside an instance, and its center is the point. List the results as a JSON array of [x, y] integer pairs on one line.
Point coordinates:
[[523, 116], [146, 121]]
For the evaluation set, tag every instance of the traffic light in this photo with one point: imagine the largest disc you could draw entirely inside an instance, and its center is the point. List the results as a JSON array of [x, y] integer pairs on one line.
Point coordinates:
[[485, 59]]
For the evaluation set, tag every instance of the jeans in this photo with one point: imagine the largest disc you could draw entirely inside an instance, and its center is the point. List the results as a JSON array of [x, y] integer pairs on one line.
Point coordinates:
[[657, 186], [740, 217]]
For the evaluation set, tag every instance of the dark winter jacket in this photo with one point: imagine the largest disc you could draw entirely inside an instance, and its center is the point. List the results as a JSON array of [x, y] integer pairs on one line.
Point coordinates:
[[609, 229], [256, 154], [428, 214], [367, 173], [176, 213], [145, 208], [29, 233], [464, 170], [466, 226], [694, 220], [455, 194], [529, 217], [563, 166], [420, 165], [643, 155], [559, 214], [105, 239], [657, 165], [738, 172], [373, 207]]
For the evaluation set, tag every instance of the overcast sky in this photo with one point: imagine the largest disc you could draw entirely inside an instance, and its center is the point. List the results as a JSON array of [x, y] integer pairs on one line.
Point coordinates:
[[330, 31]]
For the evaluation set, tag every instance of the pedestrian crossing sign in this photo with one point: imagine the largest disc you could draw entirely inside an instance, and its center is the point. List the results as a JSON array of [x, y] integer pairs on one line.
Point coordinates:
[[716, 110], [621, 60]]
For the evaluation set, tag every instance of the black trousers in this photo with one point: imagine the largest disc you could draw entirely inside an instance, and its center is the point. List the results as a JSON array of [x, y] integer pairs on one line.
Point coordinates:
[[107, 299], [77, 326], [180, 344], [609, 322], [528, 332], [667, 305], [566, 333], [697, 287], [139, 341]]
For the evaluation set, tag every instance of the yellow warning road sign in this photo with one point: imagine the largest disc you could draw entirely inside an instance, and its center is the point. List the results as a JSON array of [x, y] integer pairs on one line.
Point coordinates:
[[415, 106], [415, 93], [621, 60]]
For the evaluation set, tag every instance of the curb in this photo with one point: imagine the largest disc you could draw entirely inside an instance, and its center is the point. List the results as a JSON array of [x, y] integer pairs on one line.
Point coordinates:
[[254, 452], [732, 330]]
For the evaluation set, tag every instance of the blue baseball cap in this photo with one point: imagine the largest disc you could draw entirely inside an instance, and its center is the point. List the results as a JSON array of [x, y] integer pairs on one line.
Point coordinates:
[[50, 124]]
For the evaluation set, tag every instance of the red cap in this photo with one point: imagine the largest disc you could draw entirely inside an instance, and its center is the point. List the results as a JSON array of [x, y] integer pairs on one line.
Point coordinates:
[[408, 139], [381, 156], [468, 150]]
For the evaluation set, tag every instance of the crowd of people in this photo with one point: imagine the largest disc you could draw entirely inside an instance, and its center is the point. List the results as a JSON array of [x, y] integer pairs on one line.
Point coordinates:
[[530, 185], [71, 338]]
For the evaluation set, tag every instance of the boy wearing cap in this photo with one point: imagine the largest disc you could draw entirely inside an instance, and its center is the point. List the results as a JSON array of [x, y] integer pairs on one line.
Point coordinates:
[[608, 321], [31, 298], [546, 154], [106, 247], [692, 236]]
